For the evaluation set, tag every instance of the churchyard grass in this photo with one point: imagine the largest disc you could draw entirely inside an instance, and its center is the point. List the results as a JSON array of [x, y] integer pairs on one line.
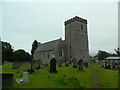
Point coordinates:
[[67, 77], [107, 78]]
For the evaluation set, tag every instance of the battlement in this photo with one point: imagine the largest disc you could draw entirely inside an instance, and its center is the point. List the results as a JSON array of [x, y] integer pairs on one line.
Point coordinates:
[[76, 18]]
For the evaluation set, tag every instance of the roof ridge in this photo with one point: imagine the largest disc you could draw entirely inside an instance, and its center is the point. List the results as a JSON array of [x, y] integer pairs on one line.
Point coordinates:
[[50, 41]]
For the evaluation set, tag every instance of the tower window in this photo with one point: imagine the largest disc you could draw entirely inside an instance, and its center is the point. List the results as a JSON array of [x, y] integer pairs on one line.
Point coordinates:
[[81, 26]]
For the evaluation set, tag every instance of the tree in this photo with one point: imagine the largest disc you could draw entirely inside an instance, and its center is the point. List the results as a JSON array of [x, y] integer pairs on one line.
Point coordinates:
[[34, 46], [7, 51], [117, 51], [102, 54], [21, 56]]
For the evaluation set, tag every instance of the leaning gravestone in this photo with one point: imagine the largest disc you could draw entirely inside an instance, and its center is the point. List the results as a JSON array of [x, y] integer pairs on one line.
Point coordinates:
[[80, 63], [7, 79], [74, 61], [53, 66]]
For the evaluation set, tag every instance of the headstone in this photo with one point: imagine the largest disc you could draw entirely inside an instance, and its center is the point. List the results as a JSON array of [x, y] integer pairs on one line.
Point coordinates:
[[105, 65], [86, 64], [7, 79], [25, 77], [46, 65], [66, 64], [39, 65], [31, 70], [53, 66], [74, 61], [16, 65], [80, 63], [60, 62]]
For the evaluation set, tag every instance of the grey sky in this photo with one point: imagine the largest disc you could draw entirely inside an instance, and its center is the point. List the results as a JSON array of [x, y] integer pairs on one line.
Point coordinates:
[[22, 23]]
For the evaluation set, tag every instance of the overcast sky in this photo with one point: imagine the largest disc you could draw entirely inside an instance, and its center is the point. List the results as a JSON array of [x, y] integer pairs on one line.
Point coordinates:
[[22, 23]]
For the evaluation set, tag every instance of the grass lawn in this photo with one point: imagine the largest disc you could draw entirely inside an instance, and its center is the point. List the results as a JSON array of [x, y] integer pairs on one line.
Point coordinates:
[[107, 78], [67, 77]]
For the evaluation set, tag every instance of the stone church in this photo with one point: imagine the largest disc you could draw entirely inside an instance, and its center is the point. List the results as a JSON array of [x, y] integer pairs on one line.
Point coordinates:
[[75, 44]]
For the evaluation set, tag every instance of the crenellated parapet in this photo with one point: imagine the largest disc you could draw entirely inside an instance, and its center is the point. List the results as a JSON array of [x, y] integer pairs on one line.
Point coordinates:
[[76, 18]]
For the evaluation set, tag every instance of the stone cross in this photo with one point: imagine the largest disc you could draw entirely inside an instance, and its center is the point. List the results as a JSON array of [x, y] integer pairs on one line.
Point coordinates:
[[53, 66], [80, 63]]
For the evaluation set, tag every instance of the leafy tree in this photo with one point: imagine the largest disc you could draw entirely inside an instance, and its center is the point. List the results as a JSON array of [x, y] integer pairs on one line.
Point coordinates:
[[21, 56], [117, 51], [102, 54], [34, 46], [7, 51]]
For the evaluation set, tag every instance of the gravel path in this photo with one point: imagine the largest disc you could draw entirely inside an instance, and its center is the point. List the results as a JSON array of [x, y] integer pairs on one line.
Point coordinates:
[[95, 80]]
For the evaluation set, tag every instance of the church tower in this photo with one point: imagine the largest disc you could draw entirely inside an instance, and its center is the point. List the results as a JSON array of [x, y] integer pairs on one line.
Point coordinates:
[[76, 39]]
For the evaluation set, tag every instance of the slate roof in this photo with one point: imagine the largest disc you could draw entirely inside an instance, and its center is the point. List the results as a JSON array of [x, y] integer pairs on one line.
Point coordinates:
[[47, 46]]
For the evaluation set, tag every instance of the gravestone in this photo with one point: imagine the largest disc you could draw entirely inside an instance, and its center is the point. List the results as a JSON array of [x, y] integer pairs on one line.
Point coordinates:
[[39, 65], [31, 70], [86, 64], [105, 65], [46, 65], [74, 61], [80, 63], [53, 66], [25, 77], [7, 79], [66, 64], [60, 62], [16, 65]]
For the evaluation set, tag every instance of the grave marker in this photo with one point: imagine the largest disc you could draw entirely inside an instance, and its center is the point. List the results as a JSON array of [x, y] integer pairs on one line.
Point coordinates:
[[53, 66], [80, 63]]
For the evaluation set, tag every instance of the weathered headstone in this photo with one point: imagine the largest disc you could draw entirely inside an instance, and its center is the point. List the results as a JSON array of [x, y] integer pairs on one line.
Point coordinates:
[[25, 77], [74, 61], [53, 66], [60, 62], [66, 64], [7, 79], [80, 63]]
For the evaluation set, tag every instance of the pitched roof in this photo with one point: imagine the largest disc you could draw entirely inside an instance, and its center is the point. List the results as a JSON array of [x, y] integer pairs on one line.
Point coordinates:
[[47, 46]]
